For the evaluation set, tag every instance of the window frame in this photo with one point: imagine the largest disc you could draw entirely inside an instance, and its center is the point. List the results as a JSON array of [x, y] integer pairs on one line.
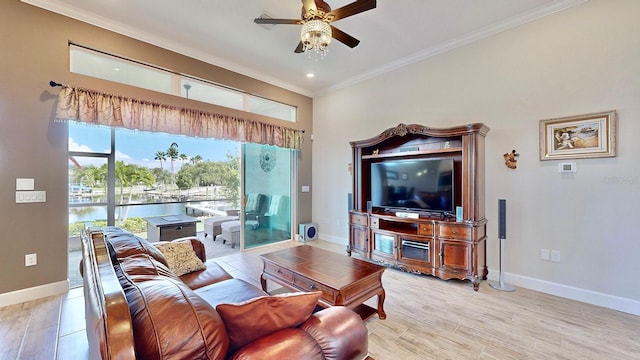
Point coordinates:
[[179, 84]]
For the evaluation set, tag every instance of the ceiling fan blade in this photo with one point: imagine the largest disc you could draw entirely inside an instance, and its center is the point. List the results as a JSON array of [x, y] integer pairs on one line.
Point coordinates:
[[355, 7], [299, 49], [277, 21], [343, 37]]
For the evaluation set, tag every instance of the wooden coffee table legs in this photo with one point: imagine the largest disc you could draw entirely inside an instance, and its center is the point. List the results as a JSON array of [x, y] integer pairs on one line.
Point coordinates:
[[381, 314], [263, 282], [365, 311], [343, 281]]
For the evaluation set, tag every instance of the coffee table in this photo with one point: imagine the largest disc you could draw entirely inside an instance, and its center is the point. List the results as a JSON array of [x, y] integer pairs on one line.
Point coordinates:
[[342, 280]]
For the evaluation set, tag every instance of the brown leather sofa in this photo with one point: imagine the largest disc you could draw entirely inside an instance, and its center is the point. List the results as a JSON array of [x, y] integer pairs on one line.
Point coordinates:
[[135, 307]]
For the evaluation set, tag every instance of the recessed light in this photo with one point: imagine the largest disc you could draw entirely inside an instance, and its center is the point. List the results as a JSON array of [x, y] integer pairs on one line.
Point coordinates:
[[116, 69], [310, 75]]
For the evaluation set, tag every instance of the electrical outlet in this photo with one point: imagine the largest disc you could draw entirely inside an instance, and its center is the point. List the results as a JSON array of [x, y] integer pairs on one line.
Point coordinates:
[[544, 254], [555, 255], [30, 259]]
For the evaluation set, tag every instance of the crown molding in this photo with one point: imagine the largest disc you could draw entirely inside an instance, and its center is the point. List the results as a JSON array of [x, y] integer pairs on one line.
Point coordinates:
[[123, 29], [466, 39]]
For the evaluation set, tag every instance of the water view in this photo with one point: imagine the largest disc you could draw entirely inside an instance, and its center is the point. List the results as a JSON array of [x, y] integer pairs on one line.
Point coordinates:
[[148, 203], [153, 174]]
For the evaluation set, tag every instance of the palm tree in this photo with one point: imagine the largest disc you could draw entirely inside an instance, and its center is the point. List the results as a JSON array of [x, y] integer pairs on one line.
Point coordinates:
[[128, 175], [162, 156], [123, 180], [184, 158], [196, 159], [173, 155]]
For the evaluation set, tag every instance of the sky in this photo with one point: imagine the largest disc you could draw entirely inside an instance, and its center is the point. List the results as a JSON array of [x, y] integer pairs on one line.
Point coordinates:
[[140, 148]]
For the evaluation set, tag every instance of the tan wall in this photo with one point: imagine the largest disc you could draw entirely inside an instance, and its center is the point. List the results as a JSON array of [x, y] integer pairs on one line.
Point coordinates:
[[582, 60], [33, 51]]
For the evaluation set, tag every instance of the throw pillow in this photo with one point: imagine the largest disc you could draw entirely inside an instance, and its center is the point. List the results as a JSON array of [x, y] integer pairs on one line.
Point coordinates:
[[181, 259], [255, 318]]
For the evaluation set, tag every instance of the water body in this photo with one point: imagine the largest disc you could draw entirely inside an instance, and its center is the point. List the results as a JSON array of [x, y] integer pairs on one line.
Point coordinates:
[[143, 204], [92, 213]]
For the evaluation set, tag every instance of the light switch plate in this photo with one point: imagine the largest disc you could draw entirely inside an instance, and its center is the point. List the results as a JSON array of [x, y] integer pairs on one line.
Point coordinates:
[[23, 197], [545, 254], [23, 184]]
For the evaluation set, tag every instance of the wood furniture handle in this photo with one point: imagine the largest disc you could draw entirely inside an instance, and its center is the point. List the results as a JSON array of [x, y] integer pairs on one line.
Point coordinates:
[[179, 227], [279, 271], [312, 286]]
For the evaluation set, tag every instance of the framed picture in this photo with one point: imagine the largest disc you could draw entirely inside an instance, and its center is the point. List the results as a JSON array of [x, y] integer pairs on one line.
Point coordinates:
[[578, 137]]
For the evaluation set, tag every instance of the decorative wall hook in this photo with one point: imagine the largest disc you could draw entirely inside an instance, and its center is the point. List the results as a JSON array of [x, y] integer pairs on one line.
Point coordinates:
[[510, 159]]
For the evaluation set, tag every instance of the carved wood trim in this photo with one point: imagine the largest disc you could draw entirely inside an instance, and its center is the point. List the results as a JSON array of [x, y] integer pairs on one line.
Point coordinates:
[[416, 129]]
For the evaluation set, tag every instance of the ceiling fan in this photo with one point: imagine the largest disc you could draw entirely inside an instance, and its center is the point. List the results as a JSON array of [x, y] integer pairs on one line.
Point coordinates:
[[316, 19]]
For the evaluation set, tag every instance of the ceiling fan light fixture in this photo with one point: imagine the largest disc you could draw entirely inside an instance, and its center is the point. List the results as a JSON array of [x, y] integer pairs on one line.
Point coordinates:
[[315, 36]]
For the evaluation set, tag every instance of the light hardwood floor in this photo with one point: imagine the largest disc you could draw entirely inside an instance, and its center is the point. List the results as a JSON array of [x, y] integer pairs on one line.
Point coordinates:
[[427, 318]]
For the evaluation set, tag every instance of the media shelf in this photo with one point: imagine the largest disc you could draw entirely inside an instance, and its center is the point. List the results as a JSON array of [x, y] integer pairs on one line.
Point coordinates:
[[413, 153], [400, 225], [429, 244]]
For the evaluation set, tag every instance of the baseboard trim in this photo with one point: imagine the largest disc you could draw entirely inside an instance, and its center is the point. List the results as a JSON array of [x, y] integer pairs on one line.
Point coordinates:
[[608, 301], [613, 302], [33, 293], [334, 239]]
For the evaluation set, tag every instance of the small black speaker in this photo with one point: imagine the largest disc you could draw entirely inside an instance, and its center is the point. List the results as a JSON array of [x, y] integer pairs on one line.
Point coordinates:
[[308, 231], [502, 218]]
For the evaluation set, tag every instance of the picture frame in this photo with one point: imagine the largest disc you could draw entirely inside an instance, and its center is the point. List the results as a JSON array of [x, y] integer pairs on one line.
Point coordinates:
[[392, 175], [579, 137]]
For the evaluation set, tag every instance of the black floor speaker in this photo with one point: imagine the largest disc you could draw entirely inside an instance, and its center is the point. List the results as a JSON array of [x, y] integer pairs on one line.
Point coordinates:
[[502, 235], [502, 219]]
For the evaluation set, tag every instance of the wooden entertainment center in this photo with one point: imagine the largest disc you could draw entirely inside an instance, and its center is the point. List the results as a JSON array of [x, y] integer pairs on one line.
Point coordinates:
[[432, 243]]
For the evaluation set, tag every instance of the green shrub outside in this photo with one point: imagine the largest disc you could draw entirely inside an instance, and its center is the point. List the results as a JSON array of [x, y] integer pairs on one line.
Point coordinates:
[[134, 225]]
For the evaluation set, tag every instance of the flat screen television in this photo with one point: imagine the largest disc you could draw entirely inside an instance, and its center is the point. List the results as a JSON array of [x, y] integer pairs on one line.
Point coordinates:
[[423, 185]]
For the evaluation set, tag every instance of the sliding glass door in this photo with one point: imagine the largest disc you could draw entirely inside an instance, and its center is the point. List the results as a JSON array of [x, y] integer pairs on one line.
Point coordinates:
[[267, 194], [119, 177]]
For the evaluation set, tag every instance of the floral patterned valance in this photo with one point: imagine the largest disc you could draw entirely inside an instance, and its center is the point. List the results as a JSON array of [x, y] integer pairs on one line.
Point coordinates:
[[98, 108]]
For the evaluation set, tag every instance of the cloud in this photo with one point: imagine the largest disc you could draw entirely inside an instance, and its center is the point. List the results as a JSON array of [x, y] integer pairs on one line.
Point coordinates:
[[120, 156], [84, 160], [74, 146]]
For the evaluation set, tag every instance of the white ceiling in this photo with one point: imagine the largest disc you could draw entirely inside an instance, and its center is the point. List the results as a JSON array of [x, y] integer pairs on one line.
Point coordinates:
[[394, 34]]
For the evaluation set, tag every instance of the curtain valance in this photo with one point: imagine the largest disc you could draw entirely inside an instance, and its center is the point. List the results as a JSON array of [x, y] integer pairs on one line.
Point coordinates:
[[98, 108]]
